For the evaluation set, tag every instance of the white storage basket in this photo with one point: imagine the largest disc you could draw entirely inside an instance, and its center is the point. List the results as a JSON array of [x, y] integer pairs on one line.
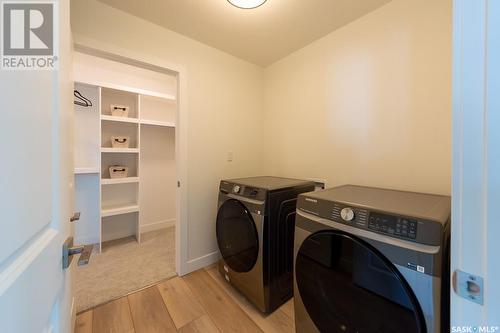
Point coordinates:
[[118, 171], [119, 110], [120, 141]]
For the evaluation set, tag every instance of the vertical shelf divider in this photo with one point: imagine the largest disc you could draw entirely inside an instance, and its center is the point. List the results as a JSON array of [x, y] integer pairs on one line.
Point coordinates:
[[100, 169], [138, 229]]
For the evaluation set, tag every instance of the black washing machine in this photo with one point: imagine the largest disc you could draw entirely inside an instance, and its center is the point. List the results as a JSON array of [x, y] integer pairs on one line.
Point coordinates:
[[255, 234]]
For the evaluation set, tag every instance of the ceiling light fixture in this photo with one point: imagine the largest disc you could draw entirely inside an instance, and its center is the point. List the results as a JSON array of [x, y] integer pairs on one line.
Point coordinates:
[[247, 4]]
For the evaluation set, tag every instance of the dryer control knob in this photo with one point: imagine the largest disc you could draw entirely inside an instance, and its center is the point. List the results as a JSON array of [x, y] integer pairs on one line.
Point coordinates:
[[236, 189], [347, 214]]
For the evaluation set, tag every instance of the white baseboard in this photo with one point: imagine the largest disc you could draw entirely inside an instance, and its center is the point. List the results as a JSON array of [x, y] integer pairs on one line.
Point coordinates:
[[117, 234], [73, 314], [201, 262], [157, 225]]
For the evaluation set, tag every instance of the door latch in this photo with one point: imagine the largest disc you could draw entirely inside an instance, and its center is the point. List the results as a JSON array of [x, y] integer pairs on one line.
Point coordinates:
[[468, 286], [69, 251]]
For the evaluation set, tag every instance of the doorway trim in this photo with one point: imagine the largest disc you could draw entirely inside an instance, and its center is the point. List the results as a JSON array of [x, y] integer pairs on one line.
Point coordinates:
[[125, 56], [475, 193]]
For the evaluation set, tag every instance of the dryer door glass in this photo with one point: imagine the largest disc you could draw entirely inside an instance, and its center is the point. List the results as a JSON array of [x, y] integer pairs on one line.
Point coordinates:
[[237, 236], [346, 285]]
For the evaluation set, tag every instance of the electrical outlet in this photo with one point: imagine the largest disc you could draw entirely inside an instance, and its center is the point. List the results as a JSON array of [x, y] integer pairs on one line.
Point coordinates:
[[320, 184], [230, 156]]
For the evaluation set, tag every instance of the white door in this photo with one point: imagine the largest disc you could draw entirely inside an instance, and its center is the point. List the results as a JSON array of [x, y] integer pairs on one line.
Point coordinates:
[[36, 192], [476, 167]]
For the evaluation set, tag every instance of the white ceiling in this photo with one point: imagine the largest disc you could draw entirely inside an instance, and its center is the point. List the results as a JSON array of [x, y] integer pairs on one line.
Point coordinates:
[[262, 35]]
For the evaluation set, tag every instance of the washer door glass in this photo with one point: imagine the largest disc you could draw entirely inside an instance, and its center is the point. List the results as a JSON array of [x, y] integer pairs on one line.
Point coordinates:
[[347, 285], [237, 236]]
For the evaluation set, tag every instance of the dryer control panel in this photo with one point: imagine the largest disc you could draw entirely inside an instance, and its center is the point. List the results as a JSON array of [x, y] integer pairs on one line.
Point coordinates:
[[243, 191]]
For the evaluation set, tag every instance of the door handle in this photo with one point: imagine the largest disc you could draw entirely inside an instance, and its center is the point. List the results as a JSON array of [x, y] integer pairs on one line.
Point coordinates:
[[75, 217], [69, 251]]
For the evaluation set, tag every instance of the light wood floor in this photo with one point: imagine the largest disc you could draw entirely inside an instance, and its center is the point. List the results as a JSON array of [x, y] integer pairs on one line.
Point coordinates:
[[200, 302]]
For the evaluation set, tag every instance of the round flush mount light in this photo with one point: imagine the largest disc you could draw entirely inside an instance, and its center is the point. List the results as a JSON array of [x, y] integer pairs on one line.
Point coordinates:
[[247, 4]]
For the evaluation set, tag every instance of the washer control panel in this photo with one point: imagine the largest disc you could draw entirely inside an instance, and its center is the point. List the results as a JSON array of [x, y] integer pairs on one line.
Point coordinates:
[[393, 225]]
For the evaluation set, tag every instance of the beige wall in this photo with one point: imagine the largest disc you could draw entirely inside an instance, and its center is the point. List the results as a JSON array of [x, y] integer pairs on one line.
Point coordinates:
[[225, 104], [368, 104]]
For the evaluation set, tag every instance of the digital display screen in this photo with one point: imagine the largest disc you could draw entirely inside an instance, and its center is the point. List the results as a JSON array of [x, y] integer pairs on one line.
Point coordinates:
[[393, 225]]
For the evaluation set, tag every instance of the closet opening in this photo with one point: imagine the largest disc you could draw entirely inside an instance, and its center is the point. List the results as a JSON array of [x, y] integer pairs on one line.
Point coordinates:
[[127, 174]]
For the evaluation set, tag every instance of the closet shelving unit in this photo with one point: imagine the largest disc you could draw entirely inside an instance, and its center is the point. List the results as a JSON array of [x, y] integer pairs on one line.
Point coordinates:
[[116, 199]]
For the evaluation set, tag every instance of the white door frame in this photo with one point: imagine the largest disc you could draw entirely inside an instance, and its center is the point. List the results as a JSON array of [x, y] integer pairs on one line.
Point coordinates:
[[475, 229], [99, 49]]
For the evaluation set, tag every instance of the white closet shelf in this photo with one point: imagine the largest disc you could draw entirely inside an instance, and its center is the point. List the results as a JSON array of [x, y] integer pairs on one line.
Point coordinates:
[[120, 150], [86, 170], [131, 90], [157, 123], [112, 210], [109, 181], [120, 119]]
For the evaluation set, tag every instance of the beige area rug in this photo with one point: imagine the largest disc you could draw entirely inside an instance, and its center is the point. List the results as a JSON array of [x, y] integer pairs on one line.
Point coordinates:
[[125, 266]]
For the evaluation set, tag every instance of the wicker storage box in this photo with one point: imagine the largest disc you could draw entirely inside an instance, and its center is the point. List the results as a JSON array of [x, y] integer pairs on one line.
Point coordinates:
[[118, 171], [120, 141], [119, 110]]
